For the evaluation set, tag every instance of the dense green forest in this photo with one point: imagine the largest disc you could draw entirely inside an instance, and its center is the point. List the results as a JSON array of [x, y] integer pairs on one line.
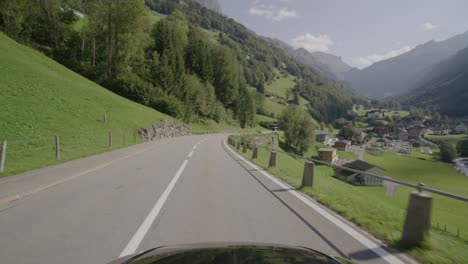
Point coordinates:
[[170, 64]]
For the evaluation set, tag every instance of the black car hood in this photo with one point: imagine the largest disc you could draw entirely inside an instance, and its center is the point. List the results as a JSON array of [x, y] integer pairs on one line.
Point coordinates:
[[229, 253]]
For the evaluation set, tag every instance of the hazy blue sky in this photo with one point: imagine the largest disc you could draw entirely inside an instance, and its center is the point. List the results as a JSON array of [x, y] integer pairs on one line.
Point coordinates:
[[361, 31]]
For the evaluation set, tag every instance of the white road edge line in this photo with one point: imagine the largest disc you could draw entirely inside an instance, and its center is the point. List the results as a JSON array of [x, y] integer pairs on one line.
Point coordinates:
[[137, 238], [385, 255], [191, 154]]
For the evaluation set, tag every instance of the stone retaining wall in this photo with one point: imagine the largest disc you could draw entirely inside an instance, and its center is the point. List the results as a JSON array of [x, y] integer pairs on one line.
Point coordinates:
[[167, 128]]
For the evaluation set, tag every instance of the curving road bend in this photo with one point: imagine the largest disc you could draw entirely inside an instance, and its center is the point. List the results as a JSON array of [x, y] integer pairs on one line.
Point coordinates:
[[175, 191]]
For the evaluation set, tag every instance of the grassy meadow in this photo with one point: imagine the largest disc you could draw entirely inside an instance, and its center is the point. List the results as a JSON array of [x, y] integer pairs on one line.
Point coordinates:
[[452, 139], [382, 215], [41, 99]]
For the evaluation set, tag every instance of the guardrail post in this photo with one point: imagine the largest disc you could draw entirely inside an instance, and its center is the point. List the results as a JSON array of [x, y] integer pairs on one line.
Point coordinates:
[[110, 139], [308, 175], [2, 156], [237, 144], [272, 161], [255, 152], [418, 218], [244, 147], [57, 147]]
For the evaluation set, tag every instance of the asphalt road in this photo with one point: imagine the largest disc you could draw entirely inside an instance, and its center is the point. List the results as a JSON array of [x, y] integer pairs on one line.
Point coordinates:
[[175, 191]]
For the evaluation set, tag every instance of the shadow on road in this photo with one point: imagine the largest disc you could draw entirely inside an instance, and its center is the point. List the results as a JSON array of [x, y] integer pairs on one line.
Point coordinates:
[[274, 193], [367, 254]]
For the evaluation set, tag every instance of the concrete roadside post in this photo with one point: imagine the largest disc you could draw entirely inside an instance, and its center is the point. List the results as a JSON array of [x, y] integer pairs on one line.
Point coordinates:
[[308, 175], [3, 156], [418, 218], [244, 147], [57, 147], [110, 139], [272, 161], [237, 144], [255, 152]]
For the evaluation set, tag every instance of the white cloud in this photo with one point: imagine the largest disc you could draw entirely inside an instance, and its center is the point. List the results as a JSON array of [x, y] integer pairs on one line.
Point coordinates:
[[273, 13], [312, 43], [363, 62], [428, 26]]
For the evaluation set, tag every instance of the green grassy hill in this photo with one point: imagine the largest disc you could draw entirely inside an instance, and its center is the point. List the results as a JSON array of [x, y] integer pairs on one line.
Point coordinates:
[[39, 98]]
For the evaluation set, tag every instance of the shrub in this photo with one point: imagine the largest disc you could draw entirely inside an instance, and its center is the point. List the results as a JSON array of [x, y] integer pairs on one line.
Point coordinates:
[[462, 148], [170, 106], [447, 152]]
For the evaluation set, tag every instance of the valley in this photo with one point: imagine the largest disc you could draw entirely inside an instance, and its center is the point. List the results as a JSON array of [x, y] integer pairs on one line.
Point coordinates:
[[224, 121]]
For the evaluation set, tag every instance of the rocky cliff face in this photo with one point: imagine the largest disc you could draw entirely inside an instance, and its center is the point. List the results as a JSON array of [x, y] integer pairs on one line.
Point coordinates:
[[211, 4], [168, 128]]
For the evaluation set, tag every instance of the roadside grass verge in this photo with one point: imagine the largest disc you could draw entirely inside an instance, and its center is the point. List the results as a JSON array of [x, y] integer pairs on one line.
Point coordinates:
[[40, 99], [377, 213]]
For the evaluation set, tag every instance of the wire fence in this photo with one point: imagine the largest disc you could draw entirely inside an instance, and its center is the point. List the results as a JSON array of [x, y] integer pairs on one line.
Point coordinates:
[[237, 143], [19, 155]]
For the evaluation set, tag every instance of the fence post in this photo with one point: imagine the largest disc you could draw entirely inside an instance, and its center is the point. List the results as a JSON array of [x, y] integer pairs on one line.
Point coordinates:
[[418, 218], [255, 152], [308, 175], [57, 147], [110, 139], [272, 161], [237, 144], [105, 119], [244, 147], [2, 156]]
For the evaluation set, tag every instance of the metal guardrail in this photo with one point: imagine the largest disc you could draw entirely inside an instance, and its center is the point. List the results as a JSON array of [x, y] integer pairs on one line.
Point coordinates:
[[419, 187]]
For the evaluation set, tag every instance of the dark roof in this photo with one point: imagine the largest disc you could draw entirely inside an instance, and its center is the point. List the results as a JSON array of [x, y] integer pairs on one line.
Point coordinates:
[[343, 141], [360, 165]]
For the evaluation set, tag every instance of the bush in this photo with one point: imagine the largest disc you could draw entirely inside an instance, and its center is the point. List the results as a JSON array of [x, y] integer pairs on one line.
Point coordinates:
[[447, 152], [462, 148], [170, 106]]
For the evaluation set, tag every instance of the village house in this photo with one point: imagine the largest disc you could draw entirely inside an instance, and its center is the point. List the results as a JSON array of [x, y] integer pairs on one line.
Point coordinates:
[[321, 136], [438, 131], [325, 138], [342, 144], [381, 130], [401, 134], [357, 178], [375, 114], [415, 131], [460, 129], [361, 133], [328, 155]]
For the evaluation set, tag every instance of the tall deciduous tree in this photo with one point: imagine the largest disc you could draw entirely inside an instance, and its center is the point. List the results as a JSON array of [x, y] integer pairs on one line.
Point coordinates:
[[298, 129]]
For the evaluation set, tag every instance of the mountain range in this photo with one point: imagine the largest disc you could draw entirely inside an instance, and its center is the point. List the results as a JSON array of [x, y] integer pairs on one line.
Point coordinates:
[[326, 64], [444, 88], [399, 75]]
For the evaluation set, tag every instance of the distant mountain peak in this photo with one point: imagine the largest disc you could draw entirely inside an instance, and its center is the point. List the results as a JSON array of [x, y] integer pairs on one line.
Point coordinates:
[[400, 74], [212, 4], [331, 66]]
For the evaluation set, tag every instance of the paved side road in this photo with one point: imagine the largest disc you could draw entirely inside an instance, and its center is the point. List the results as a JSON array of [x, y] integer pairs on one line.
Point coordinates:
[[175, 191]]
